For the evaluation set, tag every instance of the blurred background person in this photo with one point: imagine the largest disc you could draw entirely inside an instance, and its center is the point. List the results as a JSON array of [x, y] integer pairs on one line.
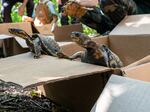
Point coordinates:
[[8, 4]]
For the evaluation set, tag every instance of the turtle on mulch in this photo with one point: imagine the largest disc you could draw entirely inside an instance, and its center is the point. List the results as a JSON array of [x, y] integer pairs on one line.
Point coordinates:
[[39, 44], [94, 53], [13, 98]]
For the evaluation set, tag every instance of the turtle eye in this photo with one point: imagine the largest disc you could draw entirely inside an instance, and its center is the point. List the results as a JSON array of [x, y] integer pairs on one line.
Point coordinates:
[[77, 34]]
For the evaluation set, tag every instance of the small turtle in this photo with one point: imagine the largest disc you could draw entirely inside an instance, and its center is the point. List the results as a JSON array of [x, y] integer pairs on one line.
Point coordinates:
[[94, 53], [39, 44]]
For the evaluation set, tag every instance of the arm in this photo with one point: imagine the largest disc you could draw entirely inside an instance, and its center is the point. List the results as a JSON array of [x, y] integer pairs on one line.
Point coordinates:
[[22, 7], [25, 2]]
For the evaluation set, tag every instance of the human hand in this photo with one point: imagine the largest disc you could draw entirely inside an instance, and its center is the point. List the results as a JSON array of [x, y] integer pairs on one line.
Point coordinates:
[[21, 10], [27, 19]]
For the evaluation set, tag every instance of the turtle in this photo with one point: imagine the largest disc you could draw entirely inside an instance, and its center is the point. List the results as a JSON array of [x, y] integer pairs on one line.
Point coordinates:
[[39, 44], [94, 53]]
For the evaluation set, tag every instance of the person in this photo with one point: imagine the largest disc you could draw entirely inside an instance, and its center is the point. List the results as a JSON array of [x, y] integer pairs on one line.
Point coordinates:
[[116, 10], [64, 18], [97, 20], [8, 4], [143, 6], [44, 13], [110, 12]]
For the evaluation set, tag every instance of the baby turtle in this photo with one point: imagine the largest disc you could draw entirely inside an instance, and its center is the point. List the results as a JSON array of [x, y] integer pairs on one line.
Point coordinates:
[[94, 53], [39, 44]]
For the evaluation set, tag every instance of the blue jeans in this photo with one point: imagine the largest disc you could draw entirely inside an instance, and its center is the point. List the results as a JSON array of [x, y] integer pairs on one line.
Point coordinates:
[[7, 6]]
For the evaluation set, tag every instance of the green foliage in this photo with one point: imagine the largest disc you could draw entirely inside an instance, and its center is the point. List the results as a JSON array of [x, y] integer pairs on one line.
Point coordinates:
[[14, 14], [89, 31]]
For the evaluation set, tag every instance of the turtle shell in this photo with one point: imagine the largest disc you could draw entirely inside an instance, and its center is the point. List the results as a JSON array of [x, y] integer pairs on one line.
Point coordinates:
[[111, 59], [49, 45]]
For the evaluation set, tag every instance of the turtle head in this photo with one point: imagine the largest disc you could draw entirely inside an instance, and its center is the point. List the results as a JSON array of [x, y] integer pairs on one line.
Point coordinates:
[[18, 32], [90, 44], [80, 38]]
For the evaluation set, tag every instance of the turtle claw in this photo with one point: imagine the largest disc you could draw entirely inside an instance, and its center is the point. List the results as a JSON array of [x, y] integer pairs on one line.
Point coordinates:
[[60, 55], [36, 57]]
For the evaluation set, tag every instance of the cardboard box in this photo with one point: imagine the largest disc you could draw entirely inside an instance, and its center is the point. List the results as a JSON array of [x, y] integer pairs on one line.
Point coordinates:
[[129, 47], [140, 72], [131, 37], [63, 33], [45, 29], [123, 95], [140, 62], [74, 84], [71, 83], [13, 45], [26, 26], [70, 48]]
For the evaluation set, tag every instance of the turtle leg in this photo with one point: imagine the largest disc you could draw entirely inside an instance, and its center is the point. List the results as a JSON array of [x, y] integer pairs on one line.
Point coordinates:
[[77, 55], [37, 48], [62, 55]]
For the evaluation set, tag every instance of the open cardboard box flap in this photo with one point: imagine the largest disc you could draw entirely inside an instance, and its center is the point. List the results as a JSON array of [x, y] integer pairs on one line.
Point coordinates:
[[61, 78], [63, 33], [140, 72], [60, 33], [26, 26], [71, 83], [123, 94], [133, 25], [14, 45], [131, 37], [3, 36], [29, 72]]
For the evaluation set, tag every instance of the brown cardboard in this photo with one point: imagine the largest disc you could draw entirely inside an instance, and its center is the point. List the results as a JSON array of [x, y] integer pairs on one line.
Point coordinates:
[[63, 33], [79, 94], [77, 91], [123, 95], [70, 78], [4, 44], [139, 62], [46, 73], [131, 37], [130, 48], [26, 26], [140, 72], [71, 83], [12, 45], [70, 47], [133, 25], [45, 29]]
